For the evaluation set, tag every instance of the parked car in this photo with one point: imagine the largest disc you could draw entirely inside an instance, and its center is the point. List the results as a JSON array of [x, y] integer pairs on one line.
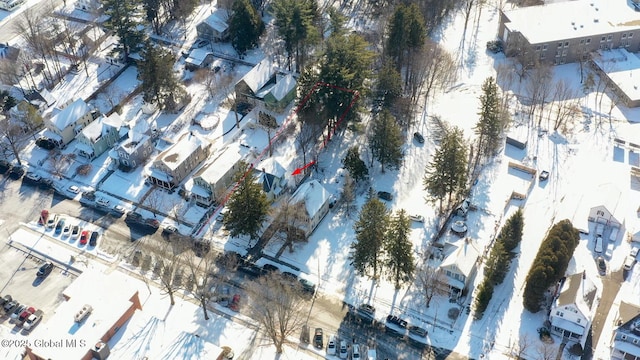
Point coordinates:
[[44, 217], [355, 352], [93, 240], [51, 221], [416, 330], [416, 218], [318, 338], [201, 43], [251, 270], [5, 300], [289, 276], [343, 352], [73, 189], [118, 210], [332, 347], [45, 143], [45, 270], [75, 231], [418, 137], [384, 195], [26, 313], [366, 312], [544, 175], [634, 252], [168, 230], [270, 268], [11, 305], [66, 231], [32, 177], [103, 202], [59, 226], [4, 166], [16, 172], [307, 286], [45, 184], [33, 320], [602, 265], [629, 262], [84, 237], [17, 311]]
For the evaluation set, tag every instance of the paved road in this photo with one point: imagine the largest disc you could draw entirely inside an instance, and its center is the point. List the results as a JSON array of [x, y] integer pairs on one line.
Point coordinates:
[[610, 287], [8, 26]]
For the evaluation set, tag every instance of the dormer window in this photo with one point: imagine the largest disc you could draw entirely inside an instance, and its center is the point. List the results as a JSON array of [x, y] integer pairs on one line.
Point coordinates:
[[579, 321], [623, 337], [635, 341]]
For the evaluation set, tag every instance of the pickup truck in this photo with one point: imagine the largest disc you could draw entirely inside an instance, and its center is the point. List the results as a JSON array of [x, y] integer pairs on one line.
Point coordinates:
[[32, 320]]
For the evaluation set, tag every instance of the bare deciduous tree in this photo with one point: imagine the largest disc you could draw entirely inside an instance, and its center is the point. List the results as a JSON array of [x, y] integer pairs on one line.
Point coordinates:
[[277, 307], [307, 137], [429, 281], [539, 87], [348, 195], [289, 217], [518, 349], [439, 66], [169, 255], [546, 351], [200, 269]]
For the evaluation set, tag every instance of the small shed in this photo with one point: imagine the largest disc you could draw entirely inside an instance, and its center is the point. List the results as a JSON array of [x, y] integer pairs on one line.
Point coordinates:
[[198, 59]]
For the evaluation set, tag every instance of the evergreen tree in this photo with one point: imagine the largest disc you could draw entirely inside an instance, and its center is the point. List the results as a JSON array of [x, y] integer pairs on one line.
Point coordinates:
[[247, 207], [159, 83], [489, 126], [511, 233], [124, 18], [245, 27], [389, 84], [446, 174], [152, 9], [399, 250], [370, 229], [354, 165], [482, 299], [181, 9], [386, 140], [296, 22], [407, 33], [497, 264]]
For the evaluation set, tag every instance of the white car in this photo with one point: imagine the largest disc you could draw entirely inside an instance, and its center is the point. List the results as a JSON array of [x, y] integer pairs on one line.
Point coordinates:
[[67, 230], [103, 202], [331, 345], [344, 352], [417, 218], [355, 352], [74, 189]]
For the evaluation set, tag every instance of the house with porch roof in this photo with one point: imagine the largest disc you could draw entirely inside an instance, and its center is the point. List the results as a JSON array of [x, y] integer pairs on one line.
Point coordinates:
[[625, 343], [316, 201], [69, 122], [99, 136], [255, 84], [214, 177], [272, 175], [459, 268]]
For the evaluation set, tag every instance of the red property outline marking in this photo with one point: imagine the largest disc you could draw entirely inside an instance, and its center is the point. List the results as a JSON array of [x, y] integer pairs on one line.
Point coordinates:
[[277, 135]]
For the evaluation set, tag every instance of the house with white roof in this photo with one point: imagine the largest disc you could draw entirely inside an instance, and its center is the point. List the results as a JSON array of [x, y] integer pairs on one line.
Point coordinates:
[[198, 59], [625, 342], [215, 27], [273, 177], [568, 31], [618, 67], [99, 136], [96, 307], [608, 206], [459, 268], [215, 177], [282, 93], [173, 165], [573, 308], [316, 201], [69, 122], [255, 84]]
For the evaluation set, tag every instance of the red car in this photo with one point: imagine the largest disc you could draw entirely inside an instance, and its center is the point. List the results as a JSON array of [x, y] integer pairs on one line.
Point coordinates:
[[44, 216], [84, 237], [25, 314]]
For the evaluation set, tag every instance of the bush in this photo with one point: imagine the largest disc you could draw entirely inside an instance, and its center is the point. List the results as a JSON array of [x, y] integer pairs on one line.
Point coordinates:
[[83, 169], [550, 263]]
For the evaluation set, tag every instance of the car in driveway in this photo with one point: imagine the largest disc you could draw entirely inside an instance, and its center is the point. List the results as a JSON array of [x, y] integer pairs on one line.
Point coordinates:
[[118, 210], [32, 177], [44, 217], [73, 189], [16, 172], [602, 265], [103, 202], [169, 230], [385, 195], [84, 237], [307, 287], [544, 175], [343, 352], [318, 338], [45, 270], [418, 137]]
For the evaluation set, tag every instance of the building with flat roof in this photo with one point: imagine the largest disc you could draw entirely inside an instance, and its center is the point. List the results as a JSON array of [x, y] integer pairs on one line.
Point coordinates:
[[96, 306], [621, 69], [568, 31]]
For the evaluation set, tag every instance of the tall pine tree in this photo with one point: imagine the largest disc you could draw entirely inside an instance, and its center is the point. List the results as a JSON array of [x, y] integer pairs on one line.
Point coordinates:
[[159, 83], [386, 140], [247, 207], [245, 27], [446, 175], [356, 167], [124, 20], [489, 127], [370, 229], [399, 260]]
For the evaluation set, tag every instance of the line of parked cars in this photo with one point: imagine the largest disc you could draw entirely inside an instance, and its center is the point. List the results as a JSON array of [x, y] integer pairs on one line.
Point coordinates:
[[21, 315], [65, 229], [252, 270]]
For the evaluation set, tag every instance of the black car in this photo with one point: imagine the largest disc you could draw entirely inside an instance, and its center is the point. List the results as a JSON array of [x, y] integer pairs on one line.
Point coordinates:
[[318, 340], [384, 195], [45, 143], [5, 299], [270, 268], [251, 270], [11, 306], [419, 138], [45, 183], [45, 270], [93, 240], [16, 172], [307, 286], [289, 276], [4, 166]]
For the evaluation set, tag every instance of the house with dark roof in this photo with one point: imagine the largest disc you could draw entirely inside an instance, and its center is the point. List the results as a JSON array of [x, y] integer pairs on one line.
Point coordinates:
[[215, 27], [272, 175], [99, 136], [626, 334], [175, 163], [573, 308], [316, 201], [459, 268]]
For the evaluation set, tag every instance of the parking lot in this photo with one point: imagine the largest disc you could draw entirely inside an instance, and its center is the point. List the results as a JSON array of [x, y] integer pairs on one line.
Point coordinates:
[[18, 279]]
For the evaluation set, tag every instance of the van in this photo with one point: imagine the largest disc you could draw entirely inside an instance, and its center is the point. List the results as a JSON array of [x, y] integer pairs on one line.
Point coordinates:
[[614, 234]]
